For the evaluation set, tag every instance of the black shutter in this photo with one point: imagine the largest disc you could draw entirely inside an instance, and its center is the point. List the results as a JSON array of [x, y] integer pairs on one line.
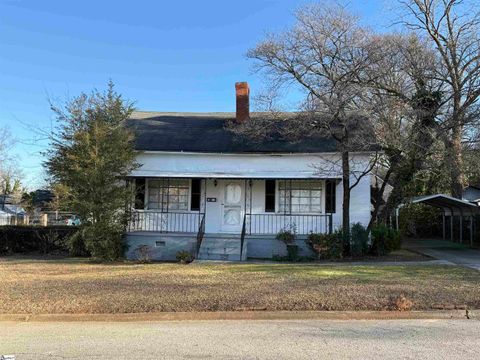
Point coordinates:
[[195, 195], [330, 196], [140, 193], [269, 195]]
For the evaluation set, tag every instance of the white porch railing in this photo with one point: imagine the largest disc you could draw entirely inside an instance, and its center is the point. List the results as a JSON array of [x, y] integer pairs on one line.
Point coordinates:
[[270, 224], [157, 221]]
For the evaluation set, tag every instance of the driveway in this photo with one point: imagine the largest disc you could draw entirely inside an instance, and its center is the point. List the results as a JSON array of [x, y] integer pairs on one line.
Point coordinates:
[[307, 339], [446, 250]]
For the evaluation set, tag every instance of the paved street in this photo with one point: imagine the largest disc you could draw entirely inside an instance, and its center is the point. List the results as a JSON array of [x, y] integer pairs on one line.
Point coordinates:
[[397, 339]]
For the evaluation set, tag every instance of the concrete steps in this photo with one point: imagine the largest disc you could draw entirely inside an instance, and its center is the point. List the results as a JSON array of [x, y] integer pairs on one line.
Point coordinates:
[[222, 247]]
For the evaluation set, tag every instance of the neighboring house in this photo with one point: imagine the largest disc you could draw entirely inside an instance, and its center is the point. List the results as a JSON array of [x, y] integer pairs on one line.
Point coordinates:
[[10, 209], [472, 193], [42, 200], [204, 189]]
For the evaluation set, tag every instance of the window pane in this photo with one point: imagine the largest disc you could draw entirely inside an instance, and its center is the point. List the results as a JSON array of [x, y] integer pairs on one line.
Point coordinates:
[[304, 196], [304, 208], [153, 205], [154, 184], [171, 193], [304, 201]]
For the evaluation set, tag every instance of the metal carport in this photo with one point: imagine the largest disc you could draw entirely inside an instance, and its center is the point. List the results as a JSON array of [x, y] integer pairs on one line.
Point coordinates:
[[451, 207]]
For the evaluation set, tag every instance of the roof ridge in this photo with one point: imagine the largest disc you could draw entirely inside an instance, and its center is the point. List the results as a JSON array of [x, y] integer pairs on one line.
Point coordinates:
[[179, 113]]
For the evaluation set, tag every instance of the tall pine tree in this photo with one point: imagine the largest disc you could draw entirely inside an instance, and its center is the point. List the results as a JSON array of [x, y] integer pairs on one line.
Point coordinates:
[[91, 154]]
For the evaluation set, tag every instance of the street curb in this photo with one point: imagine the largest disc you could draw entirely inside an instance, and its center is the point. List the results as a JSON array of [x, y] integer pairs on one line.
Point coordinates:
[[245, 315]]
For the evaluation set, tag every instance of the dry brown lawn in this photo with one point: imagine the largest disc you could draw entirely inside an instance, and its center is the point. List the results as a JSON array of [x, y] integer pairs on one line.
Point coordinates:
[[79, 286]]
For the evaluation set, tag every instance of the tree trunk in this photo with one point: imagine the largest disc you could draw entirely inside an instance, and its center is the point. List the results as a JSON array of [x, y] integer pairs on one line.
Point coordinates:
[[454, 162], [379, 197]]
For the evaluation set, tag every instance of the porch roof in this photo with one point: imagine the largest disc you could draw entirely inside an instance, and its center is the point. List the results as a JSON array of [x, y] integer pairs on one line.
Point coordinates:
[[246, 176]]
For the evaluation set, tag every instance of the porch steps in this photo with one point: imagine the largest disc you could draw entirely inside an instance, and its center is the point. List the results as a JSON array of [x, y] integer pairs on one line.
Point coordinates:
[[222, 247]]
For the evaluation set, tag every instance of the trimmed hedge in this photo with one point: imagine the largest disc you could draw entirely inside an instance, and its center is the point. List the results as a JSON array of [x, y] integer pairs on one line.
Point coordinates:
[[35, 239]]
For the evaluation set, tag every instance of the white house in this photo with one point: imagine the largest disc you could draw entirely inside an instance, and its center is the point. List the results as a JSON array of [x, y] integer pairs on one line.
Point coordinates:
[[203, 189]]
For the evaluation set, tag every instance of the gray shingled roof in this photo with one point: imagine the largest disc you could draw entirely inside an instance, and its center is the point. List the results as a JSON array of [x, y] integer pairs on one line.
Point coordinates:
[[206, 132]]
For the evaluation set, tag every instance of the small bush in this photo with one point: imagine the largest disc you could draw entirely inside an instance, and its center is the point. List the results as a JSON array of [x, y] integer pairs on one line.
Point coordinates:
[[385, 240], [103, 240], [184, 257], [287, 235], [326, 246], [359, 240]]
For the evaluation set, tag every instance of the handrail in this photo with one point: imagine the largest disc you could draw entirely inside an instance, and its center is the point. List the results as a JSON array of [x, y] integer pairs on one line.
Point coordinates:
[[200, 234], [242, 237]]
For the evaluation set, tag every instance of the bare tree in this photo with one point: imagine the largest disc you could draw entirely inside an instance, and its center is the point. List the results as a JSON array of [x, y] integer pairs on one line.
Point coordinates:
[[452, 28], [405, 99], [10, 174], [6, 143], [326, 55]]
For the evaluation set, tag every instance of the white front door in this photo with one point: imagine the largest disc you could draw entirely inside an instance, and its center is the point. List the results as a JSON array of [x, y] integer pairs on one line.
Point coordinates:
[[233, 206]]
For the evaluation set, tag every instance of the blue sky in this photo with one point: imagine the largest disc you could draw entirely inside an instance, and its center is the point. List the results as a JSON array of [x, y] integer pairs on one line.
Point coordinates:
[[165, 55]]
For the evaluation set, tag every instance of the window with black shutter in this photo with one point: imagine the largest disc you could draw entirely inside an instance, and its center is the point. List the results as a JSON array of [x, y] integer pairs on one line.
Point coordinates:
[[330, 198], [269, 195], [195, 195], [139, 193]]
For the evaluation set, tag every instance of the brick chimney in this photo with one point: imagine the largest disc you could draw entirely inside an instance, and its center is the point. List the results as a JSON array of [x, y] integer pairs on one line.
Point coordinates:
[[243, 101]]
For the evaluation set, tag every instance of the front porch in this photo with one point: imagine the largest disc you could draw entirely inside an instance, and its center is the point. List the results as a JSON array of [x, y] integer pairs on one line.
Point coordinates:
[[227, 219]]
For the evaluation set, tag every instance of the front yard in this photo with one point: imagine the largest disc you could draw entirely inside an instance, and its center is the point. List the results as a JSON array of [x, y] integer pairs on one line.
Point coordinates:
[[79, 286]]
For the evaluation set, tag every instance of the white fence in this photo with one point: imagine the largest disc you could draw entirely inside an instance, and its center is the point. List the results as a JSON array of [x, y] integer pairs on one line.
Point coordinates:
[[12, 219]]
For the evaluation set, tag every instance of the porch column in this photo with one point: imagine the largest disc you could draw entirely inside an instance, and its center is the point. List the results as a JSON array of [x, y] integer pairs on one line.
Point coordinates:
[[461, 225], [451, 225], [443, 224], [202, 209], [471, 230]]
